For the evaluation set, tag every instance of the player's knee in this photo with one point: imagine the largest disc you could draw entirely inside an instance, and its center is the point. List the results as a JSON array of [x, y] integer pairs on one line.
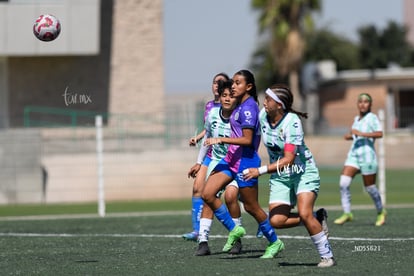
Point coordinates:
[[207, 197], [306, 215], [252, 208], [278, 221], [345, 181], [279, 215], [231, 196]]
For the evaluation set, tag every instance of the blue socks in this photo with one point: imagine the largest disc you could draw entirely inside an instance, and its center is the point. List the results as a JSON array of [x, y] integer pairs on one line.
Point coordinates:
[[197, 207], [268, 230], [223, 215]]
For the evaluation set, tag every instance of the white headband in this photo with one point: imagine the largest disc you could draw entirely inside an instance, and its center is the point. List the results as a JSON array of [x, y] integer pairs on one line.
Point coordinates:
[[272, 95]]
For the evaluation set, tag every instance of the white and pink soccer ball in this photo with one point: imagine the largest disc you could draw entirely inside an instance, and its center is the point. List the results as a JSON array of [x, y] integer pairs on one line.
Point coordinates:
[[46, 27]]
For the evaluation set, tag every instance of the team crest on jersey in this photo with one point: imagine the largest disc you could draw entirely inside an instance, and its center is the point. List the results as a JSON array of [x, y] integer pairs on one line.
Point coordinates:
[[236, 116]]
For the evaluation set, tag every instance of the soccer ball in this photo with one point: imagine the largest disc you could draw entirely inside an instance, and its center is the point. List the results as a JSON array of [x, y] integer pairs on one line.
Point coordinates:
[[46, 27]]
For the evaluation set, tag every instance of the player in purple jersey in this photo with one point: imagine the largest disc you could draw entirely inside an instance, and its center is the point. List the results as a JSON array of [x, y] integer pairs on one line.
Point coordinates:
[[241, 154], [199, 172], [209, 105]]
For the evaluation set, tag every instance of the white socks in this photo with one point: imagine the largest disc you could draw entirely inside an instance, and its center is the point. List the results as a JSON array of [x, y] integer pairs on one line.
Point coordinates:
[[375, 195], [344, 183], [322, 245], [237, 221], [205, 226]]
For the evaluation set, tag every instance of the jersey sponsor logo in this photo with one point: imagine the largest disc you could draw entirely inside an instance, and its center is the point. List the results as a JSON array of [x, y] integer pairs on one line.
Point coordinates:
[[236, 116], [248, 115], [214, 124]]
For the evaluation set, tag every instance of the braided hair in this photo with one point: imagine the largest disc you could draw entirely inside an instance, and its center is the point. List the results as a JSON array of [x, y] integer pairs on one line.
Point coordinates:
[[286, 96]]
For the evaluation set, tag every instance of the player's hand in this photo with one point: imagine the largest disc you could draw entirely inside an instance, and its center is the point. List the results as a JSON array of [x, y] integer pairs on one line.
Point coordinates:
[[250, 173], [192, 142], [194, 170], [348, 136]]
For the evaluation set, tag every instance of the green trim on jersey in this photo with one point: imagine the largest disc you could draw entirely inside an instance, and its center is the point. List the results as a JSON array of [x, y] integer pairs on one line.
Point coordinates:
[[288, 131]]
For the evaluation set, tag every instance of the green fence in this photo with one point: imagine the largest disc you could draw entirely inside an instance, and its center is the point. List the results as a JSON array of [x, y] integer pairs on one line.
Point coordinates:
[[41, 116]]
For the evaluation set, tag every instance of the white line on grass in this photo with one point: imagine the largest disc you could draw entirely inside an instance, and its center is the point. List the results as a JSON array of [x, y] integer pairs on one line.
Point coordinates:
[[67, 235], [163, 213]]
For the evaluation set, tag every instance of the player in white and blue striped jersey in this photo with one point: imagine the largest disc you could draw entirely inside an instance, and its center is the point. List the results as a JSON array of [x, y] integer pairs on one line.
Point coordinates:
[[362, 158]]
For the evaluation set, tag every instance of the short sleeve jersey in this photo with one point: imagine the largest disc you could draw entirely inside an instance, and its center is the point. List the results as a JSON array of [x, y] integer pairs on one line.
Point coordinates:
[[217, 126], [246, 115], [364, 146], [209, 105], [288, 131]]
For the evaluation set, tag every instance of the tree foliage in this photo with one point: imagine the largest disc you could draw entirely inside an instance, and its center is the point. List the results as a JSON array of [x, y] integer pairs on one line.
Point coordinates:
[[378, 48], [324, 44], [290, 40], [285, 21]]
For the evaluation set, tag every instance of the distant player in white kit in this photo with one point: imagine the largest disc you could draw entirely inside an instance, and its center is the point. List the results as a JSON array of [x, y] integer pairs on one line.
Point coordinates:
[[362, 158]]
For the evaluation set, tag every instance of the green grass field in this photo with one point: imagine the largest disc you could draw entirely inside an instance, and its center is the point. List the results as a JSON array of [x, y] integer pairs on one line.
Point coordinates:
[[152, 245], [141, 238]]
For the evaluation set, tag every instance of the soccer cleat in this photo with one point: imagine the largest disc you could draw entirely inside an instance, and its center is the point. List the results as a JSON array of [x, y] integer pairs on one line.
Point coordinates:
[[322, 217], [344, 218], [259, 233], [273, 249], [203, 249], [237, 247], [327, 262], [234, 235], [192, 236], [381, 218]]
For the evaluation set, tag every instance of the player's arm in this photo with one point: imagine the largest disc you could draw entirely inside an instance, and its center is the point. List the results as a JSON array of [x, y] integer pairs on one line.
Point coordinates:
[[289, 154], [194, 140], [375, 134], [245, 140]]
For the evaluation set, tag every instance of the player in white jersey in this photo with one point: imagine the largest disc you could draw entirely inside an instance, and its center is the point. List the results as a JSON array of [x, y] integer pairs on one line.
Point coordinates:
[[198, 171], [294, 176], [362, 158], [217, 125]]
